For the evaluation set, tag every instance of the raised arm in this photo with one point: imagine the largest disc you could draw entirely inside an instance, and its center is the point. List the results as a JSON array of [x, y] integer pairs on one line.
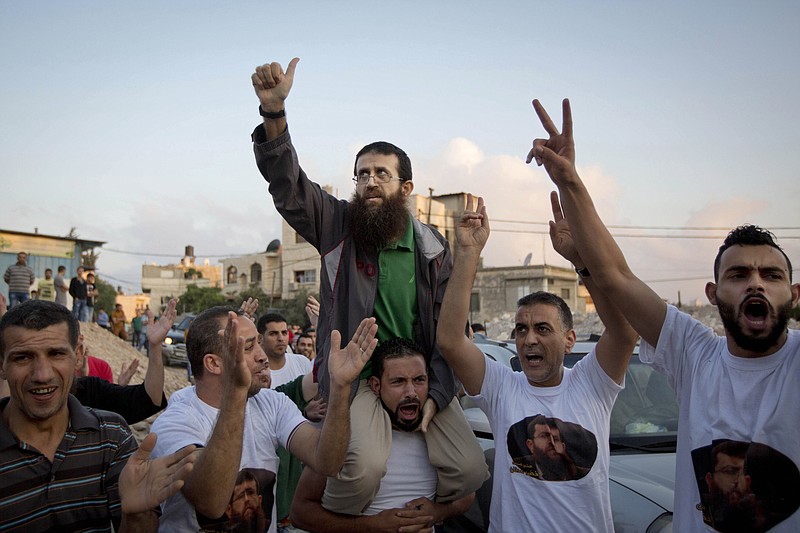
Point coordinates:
[[156, 333], [640, 305], [324, 450], [211, 483], [272, 86], [460, 353], [615, 347]]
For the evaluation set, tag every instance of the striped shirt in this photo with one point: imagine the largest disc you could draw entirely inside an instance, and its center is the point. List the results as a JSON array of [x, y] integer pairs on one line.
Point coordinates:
[[19, 278], [78, 490]]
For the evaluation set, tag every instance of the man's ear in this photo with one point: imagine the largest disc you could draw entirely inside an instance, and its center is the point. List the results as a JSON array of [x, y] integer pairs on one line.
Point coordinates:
[[212, 363], [571, 338], [375, 385], [407, 187], [80, 354], [711, 292], [795, 295]]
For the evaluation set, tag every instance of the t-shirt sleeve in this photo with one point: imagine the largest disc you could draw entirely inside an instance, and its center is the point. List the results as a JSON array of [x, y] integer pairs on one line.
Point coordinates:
[[492, 382], [177, 428], [288, 418], [679, 332], [594, 378]]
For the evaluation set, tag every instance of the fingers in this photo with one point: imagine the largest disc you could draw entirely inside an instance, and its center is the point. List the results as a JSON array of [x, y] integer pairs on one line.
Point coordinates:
[[146, 447], [291, 68], [544, 118], [364, 337], [267, 76], [555, 204], [482, 212], [566, 118]]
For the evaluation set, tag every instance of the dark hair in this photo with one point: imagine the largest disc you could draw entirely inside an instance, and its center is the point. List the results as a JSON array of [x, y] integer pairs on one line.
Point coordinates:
[[62, 268], [38, 315], [385, 148], [305, 336], [247, 475], [731, 448], [46, 270], [395, 349], [205, 337], [477, 327], [542, 421], [548, 298], [261, 326], [749, 235]]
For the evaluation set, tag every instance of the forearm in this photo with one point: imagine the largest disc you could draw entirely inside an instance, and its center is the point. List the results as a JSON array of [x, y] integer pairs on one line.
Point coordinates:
[[612, 318], [139, 522], [211, 482], [443, 511], [154, 378], [273, 127], [456, 348], [335, 434], [311, 516]]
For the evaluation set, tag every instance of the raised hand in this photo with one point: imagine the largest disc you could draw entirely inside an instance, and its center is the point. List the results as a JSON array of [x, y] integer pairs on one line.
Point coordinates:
[[312, 310], [429, 410], [157, 330], [235, 371], [345, 364], [272, 85], [145, 482], [315, 409], [249, 308], [472, 230], [127, 372], [556, 153], [561, 236]]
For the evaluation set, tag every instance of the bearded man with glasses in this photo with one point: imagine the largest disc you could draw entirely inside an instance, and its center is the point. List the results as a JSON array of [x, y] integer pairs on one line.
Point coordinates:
[[376, 261]]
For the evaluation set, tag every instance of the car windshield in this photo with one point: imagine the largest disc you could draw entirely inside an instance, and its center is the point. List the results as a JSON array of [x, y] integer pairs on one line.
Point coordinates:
[[645, 415]]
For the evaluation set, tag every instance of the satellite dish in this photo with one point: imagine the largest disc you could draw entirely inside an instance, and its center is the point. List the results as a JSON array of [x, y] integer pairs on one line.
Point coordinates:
[[527, 261], [274, 246]]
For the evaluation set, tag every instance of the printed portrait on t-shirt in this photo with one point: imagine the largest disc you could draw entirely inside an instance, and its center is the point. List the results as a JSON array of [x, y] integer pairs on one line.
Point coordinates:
[[745, 486], [550, 449], [250, 506]]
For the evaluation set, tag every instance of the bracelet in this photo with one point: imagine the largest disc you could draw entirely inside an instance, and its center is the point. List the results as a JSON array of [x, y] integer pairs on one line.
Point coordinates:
[[273, 116], [582, 272]]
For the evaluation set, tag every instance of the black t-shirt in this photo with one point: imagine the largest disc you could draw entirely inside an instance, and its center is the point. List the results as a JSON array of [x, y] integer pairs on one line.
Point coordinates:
[[131, 401]]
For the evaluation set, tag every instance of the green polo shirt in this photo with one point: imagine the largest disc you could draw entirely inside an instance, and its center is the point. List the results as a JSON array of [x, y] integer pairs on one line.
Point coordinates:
[[395, 307]]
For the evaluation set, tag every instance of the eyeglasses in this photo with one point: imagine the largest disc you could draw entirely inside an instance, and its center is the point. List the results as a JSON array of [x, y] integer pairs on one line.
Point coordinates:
[[381, 176]]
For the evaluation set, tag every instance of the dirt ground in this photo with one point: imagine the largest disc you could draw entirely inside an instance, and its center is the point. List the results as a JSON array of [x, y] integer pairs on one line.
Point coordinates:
[[116, 352]]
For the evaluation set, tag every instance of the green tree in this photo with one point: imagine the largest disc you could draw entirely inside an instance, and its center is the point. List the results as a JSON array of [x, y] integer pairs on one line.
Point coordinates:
[[107, 297], [197, 299]]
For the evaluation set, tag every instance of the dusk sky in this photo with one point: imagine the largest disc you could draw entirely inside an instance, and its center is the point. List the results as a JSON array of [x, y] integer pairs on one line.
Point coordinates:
[[132, 121]]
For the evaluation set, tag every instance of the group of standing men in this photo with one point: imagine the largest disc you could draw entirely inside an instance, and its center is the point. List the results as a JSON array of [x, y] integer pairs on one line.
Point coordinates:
[[389, 285]]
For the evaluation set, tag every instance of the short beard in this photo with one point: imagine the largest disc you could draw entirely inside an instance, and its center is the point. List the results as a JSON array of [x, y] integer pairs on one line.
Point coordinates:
[[402, 425], [730, 319], [373, 227]]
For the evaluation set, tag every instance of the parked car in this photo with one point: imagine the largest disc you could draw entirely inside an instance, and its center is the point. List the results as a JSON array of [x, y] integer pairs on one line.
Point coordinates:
[[173, 349], [643, 439]]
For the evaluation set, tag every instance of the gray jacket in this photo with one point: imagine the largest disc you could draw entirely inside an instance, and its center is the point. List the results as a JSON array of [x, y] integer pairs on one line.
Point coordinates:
[[349, 277]]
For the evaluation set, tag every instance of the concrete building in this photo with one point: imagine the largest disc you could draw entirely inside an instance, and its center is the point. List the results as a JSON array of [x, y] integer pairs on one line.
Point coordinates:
[[170, 281], [44, 251], [497, 289], [262, 270]]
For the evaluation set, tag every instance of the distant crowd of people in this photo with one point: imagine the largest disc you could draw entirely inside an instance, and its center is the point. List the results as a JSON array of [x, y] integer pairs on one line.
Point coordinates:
[[366, 433]]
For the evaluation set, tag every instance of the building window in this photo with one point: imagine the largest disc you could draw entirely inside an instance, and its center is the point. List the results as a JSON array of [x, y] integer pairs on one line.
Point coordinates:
[[565, 294], [298, 239], [255, 273], [475, 302], [232, 272], [523, 290], [243, 279], [305, 276]]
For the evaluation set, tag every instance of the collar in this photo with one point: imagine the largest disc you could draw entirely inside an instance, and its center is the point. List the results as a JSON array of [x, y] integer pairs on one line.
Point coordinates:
[[79, 418], [407, 240]]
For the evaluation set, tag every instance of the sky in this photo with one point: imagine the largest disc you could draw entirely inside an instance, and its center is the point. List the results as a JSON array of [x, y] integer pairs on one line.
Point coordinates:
[[131, 121]]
